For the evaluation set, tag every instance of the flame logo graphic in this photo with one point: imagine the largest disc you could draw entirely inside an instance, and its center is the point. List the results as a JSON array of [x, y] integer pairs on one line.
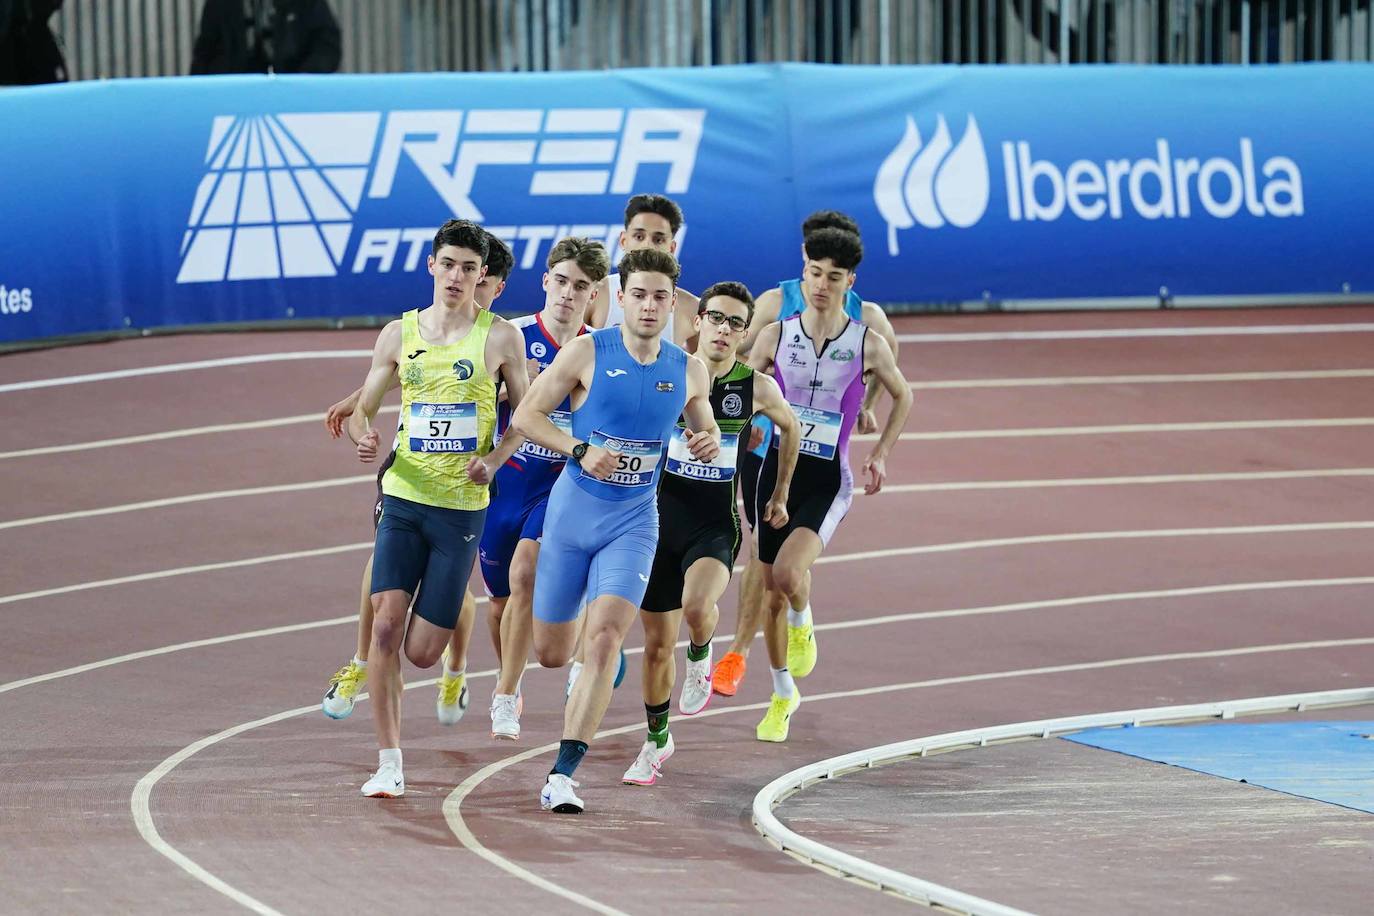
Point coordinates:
[[938, 184]]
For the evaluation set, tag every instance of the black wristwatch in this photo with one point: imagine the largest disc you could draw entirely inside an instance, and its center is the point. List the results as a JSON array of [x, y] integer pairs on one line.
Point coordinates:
[[579, 451]]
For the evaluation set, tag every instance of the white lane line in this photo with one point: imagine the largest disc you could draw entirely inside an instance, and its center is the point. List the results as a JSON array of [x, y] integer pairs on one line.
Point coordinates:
[[189, 498], [185, 571], [1081, 536], [1106, 333], [1201, 427], [184, 367], [828, 859], [1165, 379], [956, 485], [1142, 479], [140, 801], [177, 434], [453, 804]]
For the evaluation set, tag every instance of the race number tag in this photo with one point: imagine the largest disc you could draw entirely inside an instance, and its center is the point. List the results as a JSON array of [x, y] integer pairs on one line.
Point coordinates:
[[820, 431], [444, 428], [681, 462], [563, 420], [638, 459]]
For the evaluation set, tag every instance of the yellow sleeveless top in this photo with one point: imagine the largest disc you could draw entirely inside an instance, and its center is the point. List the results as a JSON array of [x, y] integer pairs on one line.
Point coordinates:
[[448, 414]]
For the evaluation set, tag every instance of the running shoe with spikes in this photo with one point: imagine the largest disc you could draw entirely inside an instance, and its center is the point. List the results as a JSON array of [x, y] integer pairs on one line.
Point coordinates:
[[778, 719], [696, 687], [729, 674], [505, 716], [801, 649], [387, 782], [452, 702], [649, 764], [558, 795], [344, 688]]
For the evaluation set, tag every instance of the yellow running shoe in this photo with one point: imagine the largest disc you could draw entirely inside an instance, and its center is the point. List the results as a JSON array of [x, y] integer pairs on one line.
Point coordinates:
[[779, 716], [344, 687], [801, 649], [453, 695]]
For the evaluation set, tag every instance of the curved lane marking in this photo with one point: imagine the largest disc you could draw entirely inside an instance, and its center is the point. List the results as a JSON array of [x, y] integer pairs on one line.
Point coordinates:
[[251, 359], [1297, 528], [1168, 378], [1074, 601], [1234, 330]]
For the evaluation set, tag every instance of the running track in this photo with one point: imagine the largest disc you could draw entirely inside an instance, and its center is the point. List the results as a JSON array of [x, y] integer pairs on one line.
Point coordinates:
[[206, 505]]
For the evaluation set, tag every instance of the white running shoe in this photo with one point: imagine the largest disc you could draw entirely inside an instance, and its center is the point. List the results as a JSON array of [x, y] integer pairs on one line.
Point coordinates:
[[648, 765], [387, 782], [452, 701], [574, 670], [558, 795], [696, 687], [505, 716]]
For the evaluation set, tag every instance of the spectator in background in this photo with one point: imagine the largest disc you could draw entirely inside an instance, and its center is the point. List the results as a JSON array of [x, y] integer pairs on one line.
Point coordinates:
[[29, 52], [266, 36]]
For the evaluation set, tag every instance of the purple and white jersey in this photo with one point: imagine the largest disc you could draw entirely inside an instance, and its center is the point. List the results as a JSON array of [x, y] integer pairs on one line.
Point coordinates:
[[826, 391]]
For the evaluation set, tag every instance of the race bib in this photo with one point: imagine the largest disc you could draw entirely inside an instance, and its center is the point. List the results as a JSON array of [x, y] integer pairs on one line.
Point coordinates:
[[563, 420], [682, 464], [445, 428], [820, 431], [638, 459]]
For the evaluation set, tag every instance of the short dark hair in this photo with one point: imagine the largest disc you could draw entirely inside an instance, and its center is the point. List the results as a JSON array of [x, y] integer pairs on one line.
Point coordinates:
[[665, 207], [649, 260], [589, 255], [844, 248], [462, 233], [829, 219], [500, 259], [734, 290]]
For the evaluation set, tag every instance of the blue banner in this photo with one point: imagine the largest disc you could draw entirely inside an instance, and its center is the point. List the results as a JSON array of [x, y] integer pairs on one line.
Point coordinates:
[[149, 203]]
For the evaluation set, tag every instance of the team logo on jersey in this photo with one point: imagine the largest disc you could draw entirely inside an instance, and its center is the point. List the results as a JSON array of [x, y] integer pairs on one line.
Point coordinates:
[[666, 386], [416, 355], [842, 356], [538, 350], [732, 405], [463, 369]]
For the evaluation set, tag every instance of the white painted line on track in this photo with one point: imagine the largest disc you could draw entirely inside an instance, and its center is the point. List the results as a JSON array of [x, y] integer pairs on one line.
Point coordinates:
[[185, 571], [140, 801], [1200, 427], [1107, 333], [1026, 540], [189, 498], [1164, 379], [178, 434], [827, 858], [184, 367]]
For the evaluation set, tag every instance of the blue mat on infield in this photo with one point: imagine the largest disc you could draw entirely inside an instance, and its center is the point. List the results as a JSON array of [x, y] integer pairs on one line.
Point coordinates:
[[1326, 761]]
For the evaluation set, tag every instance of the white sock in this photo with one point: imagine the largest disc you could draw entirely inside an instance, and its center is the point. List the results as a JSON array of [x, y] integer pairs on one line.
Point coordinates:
[[575, 671], [361, 663], [450, 672], [389, 756], [796, 618], [783, 685]]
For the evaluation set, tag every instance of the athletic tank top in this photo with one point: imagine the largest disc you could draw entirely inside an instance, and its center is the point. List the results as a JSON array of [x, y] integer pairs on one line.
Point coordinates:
[[531, 457], [615, 313], [448, 414], [826, 391], [732, 402], [794, 304], [631, 409]]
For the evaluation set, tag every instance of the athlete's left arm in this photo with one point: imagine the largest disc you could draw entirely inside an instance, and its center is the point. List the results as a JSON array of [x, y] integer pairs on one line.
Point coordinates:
[[704, 442], [685, 321], [879, 363], [875, 319], [505, 355], [770, 402]]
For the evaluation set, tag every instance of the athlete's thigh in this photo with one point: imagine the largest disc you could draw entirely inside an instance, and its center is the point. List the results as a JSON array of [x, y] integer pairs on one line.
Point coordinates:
[[453, 535], [402, 550], [800, 550], [622, 566], [425, 640], [500, 534], [707, 579]]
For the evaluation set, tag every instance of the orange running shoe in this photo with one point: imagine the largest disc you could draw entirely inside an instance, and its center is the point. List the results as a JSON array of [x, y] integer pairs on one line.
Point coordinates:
[[728, 674]]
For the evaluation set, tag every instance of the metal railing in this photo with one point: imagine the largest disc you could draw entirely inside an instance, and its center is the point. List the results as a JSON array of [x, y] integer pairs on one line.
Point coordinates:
[[114, 38]]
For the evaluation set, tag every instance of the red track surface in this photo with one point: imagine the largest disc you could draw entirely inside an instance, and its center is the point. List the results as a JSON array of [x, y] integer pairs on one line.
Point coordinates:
[[274, 812]]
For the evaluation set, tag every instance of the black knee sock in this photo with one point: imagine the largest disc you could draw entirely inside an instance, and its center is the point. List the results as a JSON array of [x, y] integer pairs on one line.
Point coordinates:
[[570, 753], [696, 653]]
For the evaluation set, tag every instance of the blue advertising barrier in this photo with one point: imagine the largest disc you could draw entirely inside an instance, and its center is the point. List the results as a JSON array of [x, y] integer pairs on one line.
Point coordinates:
[[165, 202]]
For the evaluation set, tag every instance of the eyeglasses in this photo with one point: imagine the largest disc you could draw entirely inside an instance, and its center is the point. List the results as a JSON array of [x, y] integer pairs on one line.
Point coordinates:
[[735, 322]]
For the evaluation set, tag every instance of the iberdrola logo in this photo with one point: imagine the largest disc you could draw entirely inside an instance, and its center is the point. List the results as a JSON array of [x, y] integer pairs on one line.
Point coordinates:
[[938, 184]]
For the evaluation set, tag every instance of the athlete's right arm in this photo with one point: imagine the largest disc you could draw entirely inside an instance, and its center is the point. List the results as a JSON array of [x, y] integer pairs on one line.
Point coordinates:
[[385, 357], [766, 309], [571, 368], [765, 346], [338, 413]]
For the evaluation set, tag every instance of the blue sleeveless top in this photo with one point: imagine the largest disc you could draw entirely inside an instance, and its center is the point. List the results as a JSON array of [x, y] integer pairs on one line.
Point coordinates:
[[633, 410], [794, 304]]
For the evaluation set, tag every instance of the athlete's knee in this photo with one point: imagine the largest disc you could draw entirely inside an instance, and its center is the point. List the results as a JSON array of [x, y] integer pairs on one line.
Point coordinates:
[[550, 651], [424, 656], [387, 630], [495, 610], [522, 578], [601, 646], [788, 579], [696, 611], [657, 654]]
